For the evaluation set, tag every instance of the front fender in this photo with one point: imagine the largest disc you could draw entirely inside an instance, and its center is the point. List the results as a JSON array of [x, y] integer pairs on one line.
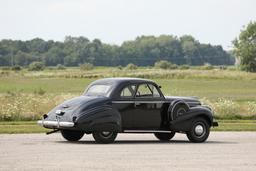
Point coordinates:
[[183, 123], [100, 118]]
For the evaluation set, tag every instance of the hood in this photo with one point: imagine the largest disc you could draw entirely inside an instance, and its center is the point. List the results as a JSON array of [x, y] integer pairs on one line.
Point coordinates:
[[192, 101]]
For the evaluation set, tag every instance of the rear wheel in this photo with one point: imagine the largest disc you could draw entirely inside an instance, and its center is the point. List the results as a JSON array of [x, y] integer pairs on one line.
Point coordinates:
[[164, 136], [199, 131], [104, 137], [71, 135]]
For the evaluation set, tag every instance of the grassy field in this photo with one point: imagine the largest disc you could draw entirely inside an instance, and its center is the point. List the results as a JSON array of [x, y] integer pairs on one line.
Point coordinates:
[[210, 88], [14, 127], [27, 95], [32, 127]]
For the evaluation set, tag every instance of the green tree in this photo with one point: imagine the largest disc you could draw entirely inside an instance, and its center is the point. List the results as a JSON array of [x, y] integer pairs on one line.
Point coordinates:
[[245, 47], [143, 51]]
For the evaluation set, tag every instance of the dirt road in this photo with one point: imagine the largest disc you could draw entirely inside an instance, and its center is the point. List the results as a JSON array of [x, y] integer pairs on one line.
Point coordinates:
[[222, 151]]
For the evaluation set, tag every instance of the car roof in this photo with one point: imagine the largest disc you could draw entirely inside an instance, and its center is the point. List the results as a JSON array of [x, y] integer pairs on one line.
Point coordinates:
[[121, 80]]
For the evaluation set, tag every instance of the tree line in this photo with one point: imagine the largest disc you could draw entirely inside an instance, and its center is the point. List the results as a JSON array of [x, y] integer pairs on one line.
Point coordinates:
[[143, 51], [245, 47]]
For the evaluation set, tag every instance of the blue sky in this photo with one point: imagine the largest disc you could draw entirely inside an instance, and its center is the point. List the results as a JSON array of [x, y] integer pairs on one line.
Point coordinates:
[[114, 21]]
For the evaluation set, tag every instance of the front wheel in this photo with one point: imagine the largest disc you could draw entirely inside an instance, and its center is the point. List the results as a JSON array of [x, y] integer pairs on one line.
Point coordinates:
[[71, 135], [199, 131], [104, 137], [164, 136]]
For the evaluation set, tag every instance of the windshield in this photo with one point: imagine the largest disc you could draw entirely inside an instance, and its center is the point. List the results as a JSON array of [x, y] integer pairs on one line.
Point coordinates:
[[97, 90]]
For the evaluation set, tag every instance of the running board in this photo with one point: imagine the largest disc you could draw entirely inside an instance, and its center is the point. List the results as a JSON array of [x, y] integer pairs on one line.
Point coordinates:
[[146, 131]]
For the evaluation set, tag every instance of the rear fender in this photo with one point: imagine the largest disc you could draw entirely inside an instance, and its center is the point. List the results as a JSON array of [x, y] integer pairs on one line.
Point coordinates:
[[101, 118]]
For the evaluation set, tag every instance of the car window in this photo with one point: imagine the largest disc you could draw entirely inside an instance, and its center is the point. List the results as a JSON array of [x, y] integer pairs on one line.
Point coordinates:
[[154, 90], [128, 91], [147, 90], [98, 90]]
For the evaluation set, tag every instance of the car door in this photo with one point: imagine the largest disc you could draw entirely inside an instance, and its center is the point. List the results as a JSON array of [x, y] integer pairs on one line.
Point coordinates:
[[125, 105], [147, 107]]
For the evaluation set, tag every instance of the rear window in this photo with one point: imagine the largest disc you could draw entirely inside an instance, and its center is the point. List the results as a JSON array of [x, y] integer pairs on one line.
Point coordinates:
[[98, 90], [128, 91]]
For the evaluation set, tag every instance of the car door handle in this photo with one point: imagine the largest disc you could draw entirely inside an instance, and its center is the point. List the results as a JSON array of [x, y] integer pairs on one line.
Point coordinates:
[[137, 104]]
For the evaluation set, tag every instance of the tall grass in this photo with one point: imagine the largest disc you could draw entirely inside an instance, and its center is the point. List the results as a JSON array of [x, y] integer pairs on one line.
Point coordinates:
[[229, 109], [151, 73], [20, 106]]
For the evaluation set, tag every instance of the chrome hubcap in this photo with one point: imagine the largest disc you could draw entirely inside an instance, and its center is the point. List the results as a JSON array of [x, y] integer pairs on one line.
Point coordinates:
[[199, 130], [106, 134]]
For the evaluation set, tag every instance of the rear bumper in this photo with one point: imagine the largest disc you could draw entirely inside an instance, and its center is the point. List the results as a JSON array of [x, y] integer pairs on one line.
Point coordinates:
[[55, 124], [215, 124]]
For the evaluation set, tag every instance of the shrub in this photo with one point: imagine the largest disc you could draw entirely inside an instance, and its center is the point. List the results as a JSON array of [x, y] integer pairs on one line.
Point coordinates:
[[86, 66], [36, 66], [223, 67], [131, 66], [163, 64], [184, 67], [173, 66], [60, 67], [207, 66], [120, 67], [40, 91], [16, 68]]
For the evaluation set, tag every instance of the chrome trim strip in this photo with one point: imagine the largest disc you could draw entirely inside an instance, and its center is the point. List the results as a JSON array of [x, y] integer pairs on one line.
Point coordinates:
[[138, 101], [146, 131], [55, 124], [122, 101]]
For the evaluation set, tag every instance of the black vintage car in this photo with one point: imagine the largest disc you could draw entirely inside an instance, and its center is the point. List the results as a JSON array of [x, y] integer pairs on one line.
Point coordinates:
[[129, 105]]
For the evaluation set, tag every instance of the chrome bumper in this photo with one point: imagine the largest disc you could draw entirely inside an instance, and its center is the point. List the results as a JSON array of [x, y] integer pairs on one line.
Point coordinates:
[[55, 124]]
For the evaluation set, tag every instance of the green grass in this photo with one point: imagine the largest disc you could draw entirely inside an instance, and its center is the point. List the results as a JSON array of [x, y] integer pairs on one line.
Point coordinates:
[[50, 85], [212, 89], [20, 127], [236, 125], [212, 84], [32, 127]]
